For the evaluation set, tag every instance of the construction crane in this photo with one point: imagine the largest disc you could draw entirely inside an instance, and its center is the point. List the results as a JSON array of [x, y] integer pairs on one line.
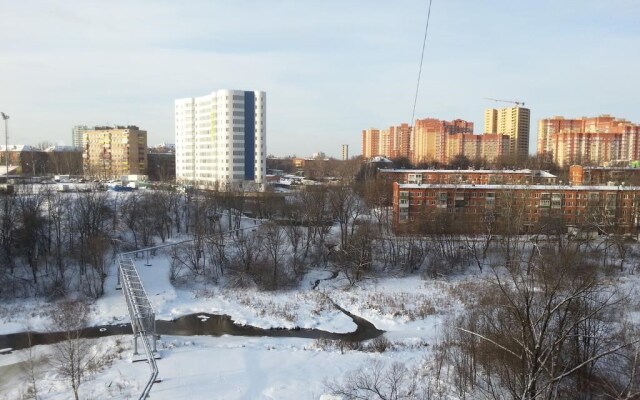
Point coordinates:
[[517, 103]]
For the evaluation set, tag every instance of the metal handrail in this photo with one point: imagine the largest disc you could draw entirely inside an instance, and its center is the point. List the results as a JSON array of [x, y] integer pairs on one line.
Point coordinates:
[[137, 311], [152, 364]]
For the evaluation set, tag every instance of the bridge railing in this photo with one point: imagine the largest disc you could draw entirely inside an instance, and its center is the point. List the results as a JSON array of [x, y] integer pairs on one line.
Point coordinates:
[[143, 321]]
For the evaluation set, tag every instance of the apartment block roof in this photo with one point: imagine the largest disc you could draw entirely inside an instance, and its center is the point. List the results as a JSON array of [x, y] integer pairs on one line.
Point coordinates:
[[540, 173], [517, 187]]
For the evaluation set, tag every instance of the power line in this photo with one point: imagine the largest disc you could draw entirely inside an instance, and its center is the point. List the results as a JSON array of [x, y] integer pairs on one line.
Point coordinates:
[[424, 42]]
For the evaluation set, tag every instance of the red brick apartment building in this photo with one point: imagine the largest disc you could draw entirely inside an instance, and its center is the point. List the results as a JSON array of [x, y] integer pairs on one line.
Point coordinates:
[[478, 177], [579, 175], [470, 208]]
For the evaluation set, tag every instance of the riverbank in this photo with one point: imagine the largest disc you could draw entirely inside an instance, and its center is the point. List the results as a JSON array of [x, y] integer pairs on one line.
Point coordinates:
[[409, 309]]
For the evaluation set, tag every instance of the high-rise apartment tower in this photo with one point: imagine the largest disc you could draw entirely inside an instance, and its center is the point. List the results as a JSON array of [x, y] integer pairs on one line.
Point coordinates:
[[221, 140], [511, 121], [76, 135], [591, 140], [345, 152]]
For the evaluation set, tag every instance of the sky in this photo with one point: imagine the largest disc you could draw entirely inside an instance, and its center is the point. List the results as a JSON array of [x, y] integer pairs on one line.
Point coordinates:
[[330, 68]]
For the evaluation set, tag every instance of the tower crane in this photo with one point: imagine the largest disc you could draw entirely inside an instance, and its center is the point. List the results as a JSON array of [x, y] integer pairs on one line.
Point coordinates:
[[517, 103]]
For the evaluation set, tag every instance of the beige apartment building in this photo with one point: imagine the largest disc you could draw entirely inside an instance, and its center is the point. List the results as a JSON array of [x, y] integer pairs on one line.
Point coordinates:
[[511, 121], [370, 143], [430, 137], [434, 140], [594, 140], [393, 142], [110, 152]]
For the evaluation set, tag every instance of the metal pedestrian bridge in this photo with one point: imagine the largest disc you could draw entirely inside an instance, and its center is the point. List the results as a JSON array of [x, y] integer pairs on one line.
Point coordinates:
[[143, 319]]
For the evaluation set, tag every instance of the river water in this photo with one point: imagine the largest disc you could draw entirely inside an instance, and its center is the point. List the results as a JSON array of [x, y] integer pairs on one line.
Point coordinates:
[[198, 324]]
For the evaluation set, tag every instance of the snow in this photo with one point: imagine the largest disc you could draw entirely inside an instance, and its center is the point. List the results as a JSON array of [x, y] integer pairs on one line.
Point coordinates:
[[283, 309], [231, 367], [211, 368]]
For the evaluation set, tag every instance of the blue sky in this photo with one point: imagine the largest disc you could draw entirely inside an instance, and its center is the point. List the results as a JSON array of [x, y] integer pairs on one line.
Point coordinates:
[[330, 68]]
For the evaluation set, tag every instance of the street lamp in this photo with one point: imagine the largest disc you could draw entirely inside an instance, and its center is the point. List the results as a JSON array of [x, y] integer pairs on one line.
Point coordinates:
[[5, 117]]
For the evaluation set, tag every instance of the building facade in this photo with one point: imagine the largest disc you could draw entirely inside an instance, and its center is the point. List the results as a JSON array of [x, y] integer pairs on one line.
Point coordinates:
[[587, 175], [475, 147], [345, 152], [471, 176], [111, 152], [511, 121], [221, 140], [595, 140], [465, 208], [371, 143], [76, 135], [393, 142], [433, 140], [431, 136]]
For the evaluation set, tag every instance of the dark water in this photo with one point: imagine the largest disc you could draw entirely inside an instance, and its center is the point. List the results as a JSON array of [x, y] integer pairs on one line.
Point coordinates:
[[191, 325]]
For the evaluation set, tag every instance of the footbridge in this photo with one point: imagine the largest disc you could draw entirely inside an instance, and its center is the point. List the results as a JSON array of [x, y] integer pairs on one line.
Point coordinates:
[[143, 319]]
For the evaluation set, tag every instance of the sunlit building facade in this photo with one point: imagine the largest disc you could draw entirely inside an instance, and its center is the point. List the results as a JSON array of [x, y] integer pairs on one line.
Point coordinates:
[[221, 140]]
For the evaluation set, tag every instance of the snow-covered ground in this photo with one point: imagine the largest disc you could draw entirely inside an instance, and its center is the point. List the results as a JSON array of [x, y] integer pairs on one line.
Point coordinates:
[[409, 309], [207, 368]]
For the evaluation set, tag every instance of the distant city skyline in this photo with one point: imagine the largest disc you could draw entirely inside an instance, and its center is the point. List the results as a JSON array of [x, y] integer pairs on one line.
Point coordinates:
[[328, 77]]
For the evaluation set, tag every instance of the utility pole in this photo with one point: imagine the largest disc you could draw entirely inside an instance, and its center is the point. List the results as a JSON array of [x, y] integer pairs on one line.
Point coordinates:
[[5, 117]]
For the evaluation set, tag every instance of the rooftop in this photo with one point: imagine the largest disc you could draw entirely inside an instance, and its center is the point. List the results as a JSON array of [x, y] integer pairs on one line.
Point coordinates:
[[515, 187], [540, 173]]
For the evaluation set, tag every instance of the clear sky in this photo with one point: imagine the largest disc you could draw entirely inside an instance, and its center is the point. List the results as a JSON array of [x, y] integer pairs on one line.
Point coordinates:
[[330, 68]]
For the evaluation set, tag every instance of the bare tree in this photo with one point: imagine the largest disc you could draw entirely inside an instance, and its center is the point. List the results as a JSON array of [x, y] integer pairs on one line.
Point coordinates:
[[274, 246], [91, 213], [541, 330], [347, 206], [295, 234], [72, 356], [245, 259], [8, 225], [30, 369], [30, 232], [379, 381], [356, 258]]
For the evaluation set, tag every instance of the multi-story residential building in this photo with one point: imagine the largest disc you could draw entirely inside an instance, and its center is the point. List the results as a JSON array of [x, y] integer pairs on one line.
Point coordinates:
[[399, 141], [221, 140], [471, 208], [371, 143], [471, 176], [585, 175], [596, 140], [512, 121], [111, 152], [488, 147], [433, 140], [393, 142], [345, 152], [430, 137], [76, 135], [493, 146]]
